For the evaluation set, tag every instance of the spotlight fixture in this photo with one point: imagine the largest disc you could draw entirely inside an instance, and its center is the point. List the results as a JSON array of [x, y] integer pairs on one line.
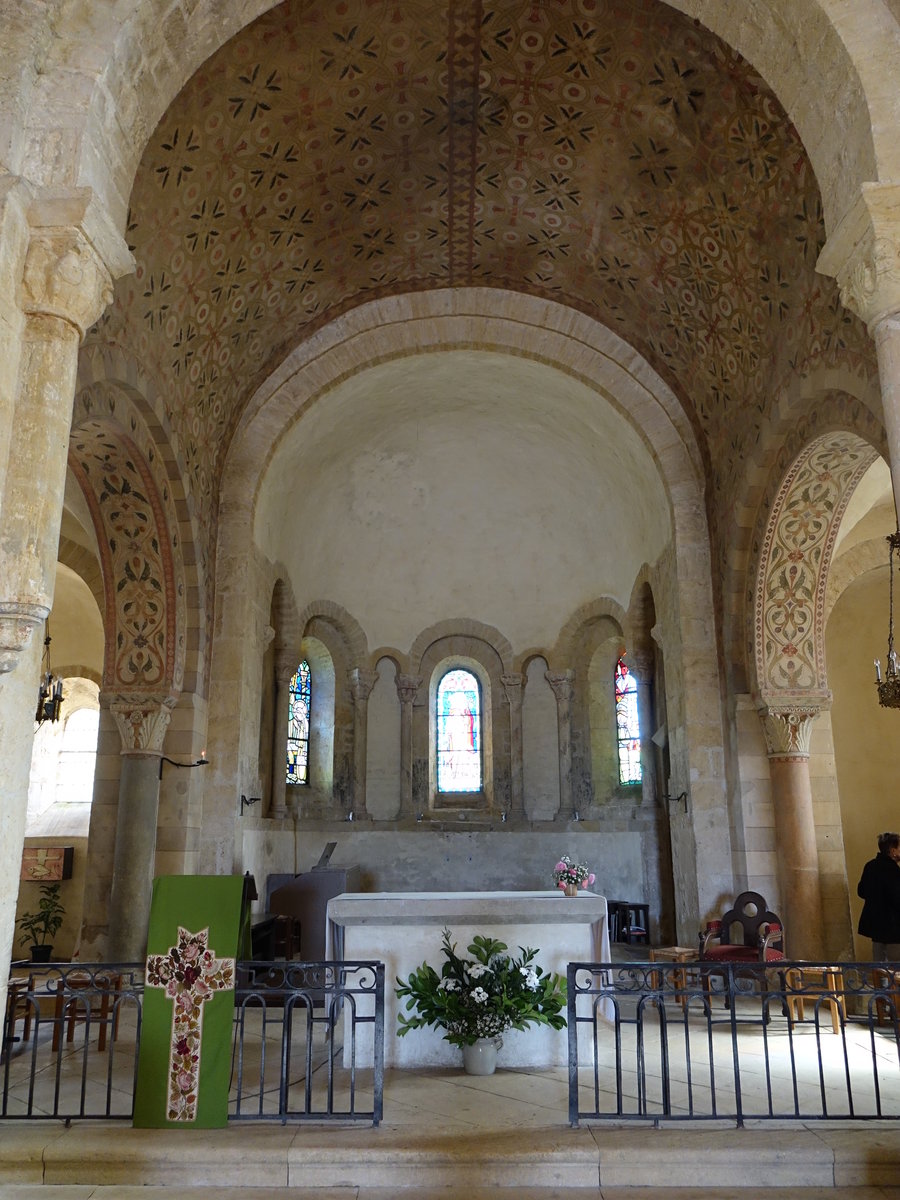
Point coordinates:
[[50, 693], [889, 686]]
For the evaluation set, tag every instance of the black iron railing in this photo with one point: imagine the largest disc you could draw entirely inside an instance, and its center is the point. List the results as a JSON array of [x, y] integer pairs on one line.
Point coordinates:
[[697, 1041], [308, 1041]]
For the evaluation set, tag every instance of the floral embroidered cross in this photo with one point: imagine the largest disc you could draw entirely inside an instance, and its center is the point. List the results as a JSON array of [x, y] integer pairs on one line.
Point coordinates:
[[191, 974]]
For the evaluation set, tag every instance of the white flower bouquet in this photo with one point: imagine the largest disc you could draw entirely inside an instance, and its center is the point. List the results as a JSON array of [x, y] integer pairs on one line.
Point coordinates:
[[481, 996]]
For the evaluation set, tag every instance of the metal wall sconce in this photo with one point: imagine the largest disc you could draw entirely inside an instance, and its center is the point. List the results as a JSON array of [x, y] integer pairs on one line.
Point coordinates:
[[246, 801], [202, 761], [681, 798]]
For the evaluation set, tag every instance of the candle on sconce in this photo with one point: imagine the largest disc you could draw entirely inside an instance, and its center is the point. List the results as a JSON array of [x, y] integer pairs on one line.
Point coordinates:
[[878, 670]]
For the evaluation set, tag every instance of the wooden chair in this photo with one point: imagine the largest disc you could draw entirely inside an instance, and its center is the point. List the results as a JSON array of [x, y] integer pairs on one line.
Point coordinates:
[[887, 1007], [80, 996], [747, 933]]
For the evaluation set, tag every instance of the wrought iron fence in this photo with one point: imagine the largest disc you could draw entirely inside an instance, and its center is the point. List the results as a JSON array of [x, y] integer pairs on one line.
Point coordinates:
[[701, 1041], [72, 1033]]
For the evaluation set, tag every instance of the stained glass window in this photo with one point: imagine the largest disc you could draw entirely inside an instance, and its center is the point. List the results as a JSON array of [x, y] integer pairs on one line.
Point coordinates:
[[628, 730], [298, 726], [459, 732]]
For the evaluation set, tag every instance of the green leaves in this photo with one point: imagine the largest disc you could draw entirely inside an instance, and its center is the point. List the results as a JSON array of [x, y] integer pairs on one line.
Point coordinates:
[[483, 995]]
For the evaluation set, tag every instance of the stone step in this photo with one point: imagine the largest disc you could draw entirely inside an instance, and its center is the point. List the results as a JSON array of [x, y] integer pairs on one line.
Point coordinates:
[[363, 1160]]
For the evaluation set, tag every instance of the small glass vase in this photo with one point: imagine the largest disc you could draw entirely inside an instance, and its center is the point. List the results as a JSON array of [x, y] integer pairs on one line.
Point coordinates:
[[571, 889], [481, 1057]]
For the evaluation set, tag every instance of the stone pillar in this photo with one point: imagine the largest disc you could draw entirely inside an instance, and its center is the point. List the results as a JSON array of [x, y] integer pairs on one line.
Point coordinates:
[[563, 684], [142, 722], [641, 665], [284, 673], [514, 686], [407, 690], [66, 284], [362, 680], [787, 731], [863, 255]]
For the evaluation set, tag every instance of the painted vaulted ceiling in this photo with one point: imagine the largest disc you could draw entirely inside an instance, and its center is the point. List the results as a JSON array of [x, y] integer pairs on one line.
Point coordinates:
[[609, 154]]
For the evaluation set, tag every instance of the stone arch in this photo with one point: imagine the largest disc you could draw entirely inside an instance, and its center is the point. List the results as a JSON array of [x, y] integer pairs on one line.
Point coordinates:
[[85, 565], [112, 382], [588, 614], [834, 402], [348, 628], [135, 63], [142, 594], [457, 630], [792, 569]]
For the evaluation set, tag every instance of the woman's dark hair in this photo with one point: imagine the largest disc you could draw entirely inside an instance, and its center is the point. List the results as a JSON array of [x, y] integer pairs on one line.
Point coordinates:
[[888, 841]]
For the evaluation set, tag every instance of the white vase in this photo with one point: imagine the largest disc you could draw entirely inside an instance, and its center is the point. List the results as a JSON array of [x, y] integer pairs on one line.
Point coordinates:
[[481, 1057]]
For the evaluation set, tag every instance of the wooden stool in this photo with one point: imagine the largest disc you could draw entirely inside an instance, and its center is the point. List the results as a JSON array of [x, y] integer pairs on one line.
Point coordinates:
[[832, 992], [102, 988], [17, 994], [673, 954], [886, 980]]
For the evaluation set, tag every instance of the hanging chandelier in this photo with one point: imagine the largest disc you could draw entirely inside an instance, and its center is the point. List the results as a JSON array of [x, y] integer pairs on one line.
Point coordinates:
[[889, 686], [50, 693]]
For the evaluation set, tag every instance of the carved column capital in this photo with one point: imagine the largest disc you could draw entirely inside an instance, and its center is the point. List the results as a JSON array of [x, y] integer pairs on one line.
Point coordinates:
[[285, 666], [640, 664], [514, 685], [142, 721], [562, 682], [65, 277], [788, 729], [408, 688], [362, 680], [863, 254], [17, 623]]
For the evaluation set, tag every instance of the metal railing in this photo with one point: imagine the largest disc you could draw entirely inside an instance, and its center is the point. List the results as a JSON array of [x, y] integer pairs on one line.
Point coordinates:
[[308, 1041], [701, 1041]]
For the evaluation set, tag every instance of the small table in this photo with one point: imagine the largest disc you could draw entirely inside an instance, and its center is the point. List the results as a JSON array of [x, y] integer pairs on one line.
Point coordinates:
[[674, 954], [796, 990]]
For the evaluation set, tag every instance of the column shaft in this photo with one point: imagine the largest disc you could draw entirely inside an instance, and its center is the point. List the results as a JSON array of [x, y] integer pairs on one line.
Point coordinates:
[[563, 684], [407, 690], [887, 344], [135, 854], [513, 685], [362, 680], [279, 769]]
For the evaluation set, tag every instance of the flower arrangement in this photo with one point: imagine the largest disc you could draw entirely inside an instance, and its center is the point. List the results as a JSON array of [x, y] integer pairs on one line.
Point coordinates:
[[567, 873], [481, 996]]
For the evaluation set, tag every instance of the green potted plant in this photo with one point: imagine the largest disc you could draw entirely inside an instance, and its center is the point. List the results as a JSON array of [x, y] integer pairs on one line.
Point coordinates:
[[39, 928], [476, 999]]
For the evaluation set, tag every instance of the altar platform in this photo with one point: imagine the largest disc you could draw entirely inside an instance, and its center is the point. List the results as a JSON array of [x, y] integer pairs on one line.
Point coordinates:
[[403, 930]]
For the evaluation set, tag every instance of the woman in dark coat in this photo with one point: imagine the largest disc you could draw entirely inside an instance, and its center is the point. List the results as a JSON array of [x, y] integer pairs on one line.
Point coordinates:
[[879, 886]]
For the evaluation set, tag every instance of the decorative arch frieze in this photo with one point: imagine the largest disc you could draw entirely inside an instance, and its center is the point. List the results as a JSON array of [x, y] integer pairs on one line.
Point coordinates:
[[144, 647], [792, 572]]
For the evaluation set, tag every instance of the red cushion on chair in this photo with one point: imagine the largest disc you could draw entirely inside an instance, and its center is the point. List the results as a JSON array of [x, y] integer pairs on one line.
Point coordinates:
[[740, 954]]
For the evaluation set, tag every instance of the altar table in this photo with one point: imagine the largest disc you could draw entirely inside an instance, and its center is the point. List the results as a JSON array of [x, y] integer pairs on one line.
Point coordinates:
[[403, 930]]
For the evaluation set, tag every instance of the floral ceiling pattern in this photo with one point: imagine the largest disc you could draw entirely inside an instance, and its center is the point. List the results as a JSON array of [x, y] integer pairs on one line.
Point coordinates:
[[608, 154]]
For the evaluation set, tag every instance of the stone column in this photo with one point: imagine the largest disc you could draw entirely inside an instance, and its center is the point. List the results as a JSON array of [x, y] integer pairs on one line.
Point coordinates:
[[787, 731], [863, 255], [362, 680], [407, 690], [514, 686], [142, 722], [66, 284], [284, 673], [641, 664], [563, 684]]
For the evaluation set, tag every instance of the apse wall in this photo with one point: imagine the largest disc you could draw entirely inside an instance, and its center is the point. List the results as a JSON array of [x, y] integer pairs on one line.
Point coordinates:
[[462, 483]]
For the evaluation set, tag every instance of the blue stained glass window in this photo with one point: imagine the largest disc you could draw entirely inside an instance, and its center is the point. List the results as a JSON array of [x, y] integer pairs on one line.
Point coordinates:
[[298, 726], [628, 730], [459, 732]]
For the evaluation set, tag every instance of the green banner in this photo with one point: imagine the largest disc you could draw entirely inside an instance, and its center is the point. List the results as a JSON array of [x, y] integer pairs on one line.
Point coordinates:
[[185, 1056]]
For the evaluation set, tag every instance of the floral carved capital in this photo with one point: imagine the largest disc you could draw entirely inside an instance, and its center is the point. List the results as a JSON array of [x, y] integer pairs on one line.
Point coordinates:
[[362, 680], [65, 277], [142, 722], [788, 730], [562, 682], [863, 254]]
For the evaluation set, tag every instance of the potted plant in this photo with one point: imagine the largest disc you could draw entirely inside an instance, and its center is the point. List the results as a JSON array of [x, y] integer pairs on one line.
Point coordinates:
[[474, 1000], [570, 876], [40, 927]]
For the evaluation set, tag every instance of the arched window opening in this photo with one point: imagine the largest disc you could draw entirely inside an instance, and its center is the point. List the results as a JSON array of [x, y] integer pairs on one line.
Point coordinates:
[[298, 725], [459, 765], [78, 756], [628, 730]]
